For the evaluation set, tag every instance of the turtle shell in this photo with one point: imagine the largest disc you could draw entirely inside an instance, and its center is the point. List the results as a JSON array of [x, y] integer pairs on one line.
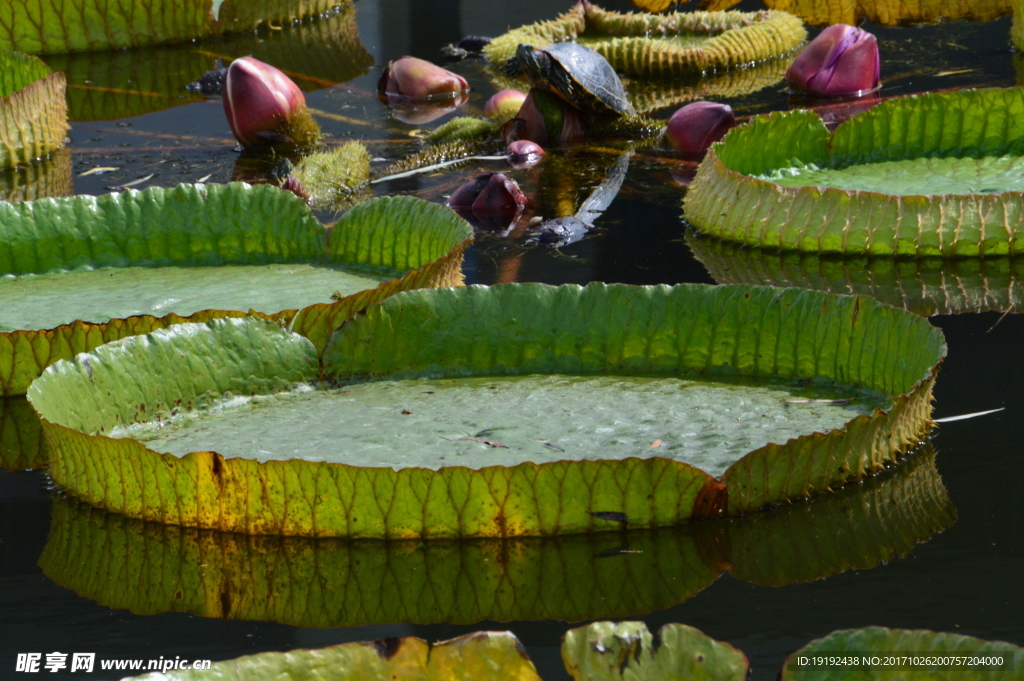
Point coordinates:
[[586, 80]]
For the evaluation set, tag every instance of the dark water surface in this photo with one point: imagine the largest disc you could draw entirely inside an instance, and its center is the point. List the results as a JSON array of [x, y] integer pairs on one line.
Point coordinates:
[[964, 577]]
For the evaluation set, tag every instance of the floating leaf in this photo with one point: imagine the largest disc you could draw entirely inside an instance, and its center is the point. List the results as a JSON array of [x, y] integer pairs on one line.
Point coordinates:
[[110, 85], [480, 656], [54, 27], [905, 653], [738, 193], [90, 270], [926, 286], [150, 568], [649, 337], [608, 651], [33, 115], [687, 43]]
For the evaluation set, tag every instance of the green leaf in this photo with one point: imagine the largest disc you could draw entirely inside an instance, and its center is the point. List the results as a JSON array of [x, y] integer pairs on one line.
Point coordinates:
[[149, 568], [114, 84], [926, 286], [606, 651], [509, 330], [54, 27], [852, 201], [880, 642], [481, 656], [691, 43], [33, 116], [192, 250]]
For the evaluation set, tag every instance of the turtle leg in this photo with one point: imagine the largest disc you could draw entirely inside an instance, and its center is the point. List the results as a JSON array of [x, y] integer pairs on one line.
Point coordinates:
[[512, 68]]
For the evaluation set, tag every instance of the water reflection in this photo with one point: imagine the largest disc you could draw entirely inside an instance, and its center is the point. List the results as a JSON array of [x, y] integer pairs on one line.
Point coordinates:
[[926, 286], [112, 85], [21, 435], [40, 179], [150, 568]]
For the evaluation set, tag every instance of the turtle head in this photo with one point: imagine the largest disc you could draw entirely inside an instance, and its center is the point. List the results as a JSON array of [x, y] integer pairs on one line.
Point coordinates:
[[530, 62]]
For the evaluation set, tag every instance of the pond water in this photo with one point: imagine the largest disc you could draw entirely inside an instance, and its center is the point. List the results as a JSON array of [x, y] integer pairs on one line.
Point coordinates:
[[964, 579]]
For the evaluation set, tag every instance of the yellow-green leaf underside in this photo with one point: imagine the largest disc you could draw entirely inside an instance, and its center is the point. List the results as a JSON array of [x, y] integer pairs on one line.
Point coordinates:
[[151, 568], [33, 115], [497, 331]]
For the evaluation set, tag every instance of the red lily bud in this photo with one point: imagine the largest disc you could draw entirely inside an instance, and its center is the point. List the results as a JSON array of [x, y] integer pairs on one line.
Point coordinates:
[[504, 101], [524, 154], [418, 79], [258, 98], [695, 127], [842, 60]]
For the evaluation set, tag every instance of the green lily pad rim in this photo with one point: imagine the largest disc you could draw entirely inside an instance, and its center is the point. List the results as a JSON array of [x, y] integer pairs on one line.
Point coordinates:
[[973, 123]]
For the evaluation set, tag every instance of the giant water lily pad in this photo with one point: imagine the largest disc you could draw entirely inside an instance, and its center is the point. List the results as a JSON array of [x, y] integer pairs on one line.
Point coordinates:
[[906, 654], [928, 175], [480, 656], [149, 568], [608, 651], [54, 27], [885, 12], [33, 115], [83, 271], [685, 43], [111, 85], [856, 375], [926, 286]]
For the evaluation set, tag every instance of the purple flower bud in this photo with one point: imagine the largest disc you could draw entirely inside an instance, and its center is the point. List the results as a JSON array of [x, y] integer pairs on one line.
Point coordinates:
[[258, 98], [504, 100], [842, 60], [695, 127], [418, 79], [524, 154]]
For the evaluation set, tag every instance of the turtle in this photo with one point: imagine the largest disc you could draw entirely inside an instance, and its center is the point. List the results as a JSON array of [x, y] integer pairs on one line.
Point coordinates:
[[577, 74]]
